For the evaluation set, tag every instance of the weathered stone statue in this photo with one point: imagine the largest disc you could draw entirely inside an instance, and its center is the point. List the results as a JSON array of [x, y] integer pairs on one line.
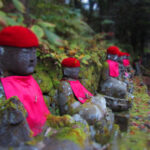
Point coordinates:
[[24, 114], [75, 99], [122, 69], [115, 90], [17, 62], [128, 71]]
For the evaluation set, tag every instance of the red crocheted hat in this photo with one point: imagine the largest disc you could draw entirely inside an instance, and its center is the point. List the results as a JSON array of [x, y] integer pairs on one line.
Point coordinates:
[[127, 54], [70, 62], [114, 50], [121, 54], [18, 36]]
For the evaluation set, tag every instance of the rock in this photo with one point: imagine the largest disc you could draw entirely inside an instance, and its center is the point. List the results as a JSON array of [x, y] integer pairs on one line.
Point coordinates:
[[91, 113], [114, 88], [14, 129], [100, 101], [54, 144], [73, 135], [78, 118], [21, 147], [122, 119], [117, 104]]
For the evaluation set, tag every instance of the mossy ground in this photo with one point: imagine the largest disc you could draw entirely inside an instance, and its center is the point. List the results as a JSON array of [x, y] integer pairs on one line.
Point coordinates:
[[138, 134]]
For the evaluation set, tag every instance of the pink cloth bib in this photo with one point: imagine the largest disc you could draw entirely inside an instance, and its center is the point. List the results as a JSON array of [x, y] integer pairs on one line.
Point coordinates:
[[29, 93], [126, 74], [126, 62], [113, 68], [79, 91]]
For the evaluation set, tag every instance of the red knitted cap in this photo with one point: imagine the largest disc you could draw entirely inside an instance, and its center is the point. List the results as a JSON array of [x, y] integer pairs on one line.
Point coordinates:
[[114, 50], [127, 54], [121, 54], [70, 62], [18, 36]]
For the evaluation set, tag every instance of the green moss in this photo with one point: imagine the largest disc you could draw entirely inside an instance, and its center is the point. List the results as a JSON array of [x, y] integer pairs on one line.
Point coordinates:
[[138, 135], [75, 134], [103, 138], [89, 77], [135, 140], [12, 102], [67, 129], [71, 100], [44, 81], [59, 121], [47, 100]]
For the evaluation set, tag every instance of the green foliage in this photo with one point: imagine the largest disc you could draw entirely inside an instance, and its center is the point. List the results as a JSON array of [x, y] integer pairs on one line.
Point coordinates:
[[61, 31], [1, 4], [53, 38], [19, 6], [107, 21], [38, 31]]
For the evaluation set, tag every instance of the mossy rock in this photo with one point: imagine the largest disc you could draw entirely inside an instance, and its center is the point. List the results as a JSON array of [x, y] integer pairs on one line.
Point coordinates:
[[59, 121], [44, 81], [75, 134]]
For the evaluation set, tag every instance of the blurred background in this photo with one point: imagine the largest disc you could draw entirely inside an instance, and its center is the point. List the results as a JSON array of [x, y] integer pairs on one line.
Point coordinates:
[[71, 24]]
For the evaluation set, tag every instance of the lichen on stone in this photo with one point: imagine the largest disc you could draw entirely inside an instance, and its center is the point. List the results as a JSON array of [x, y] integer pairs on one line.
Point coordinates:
[[74, 133], [59, 121]]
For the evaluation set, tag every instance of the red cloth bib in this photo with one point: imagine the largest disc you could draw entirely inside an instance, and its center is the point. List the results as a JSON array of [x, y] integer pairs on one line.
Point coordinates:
[[113, 68], [79, 91], [29, 93], [126, 62]]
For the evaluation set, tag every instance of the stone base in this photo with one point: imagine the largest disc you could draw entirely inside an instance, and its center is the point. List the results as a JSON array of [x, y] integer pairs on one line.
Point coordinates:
[[117, 104], [122, 119]]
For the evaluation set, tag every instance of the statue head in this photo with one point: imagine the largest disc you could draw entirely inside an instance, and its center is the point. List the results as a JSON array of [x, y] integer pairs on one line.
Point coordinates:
[[121, 57], [71, 67], [127, 55], [18, 50], [112, 53]]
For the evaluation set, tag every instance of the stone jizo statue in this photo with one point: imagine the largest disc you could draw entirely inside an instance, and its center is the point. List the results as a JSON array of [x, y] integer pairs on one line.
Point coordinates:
[[75, 99], [17, 62], [111, 86]]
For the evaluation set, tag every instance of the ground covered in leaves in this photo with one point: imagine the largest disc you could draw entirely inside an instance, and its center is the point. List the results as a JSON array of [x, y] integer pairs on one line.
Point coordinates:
[[138, 135]]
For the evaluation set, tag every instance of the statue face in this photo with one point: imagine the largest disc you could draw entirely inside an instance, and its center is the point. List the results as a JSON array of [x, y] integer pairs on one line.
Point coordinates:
[[120, 59], [71, 72], [19, 61]]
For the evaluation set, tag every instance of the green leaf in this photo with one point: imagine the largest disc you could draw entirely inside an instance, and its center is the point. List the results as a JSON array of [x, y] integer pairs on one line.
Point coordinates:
[[46, 24], [1, 4], [87, 57], [38, 31], [10, 21], [85, 62], [53, 38], [3, 21], [107, 21], [20, 19], [19, 6], [2, 14]]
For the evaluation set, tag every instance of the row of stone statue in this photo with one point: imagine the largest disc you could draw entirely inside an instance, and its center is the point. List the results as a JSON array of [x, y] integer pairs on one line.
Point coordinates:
[[17, 62]]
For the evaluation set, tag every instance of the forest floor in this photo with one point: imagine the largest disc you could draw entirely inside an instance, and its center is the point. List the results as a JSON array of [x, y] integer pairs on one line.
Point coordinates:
[[137, 136]]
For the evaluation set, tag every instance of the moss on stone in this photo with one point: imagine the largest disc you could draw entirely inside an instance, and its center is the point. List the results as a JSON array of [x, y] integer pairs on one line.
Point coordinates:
[[103, 138], [67, 129], [12, 102], [47, 100], [44, 81], [59, 121], [74, 134], [71, 100]]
